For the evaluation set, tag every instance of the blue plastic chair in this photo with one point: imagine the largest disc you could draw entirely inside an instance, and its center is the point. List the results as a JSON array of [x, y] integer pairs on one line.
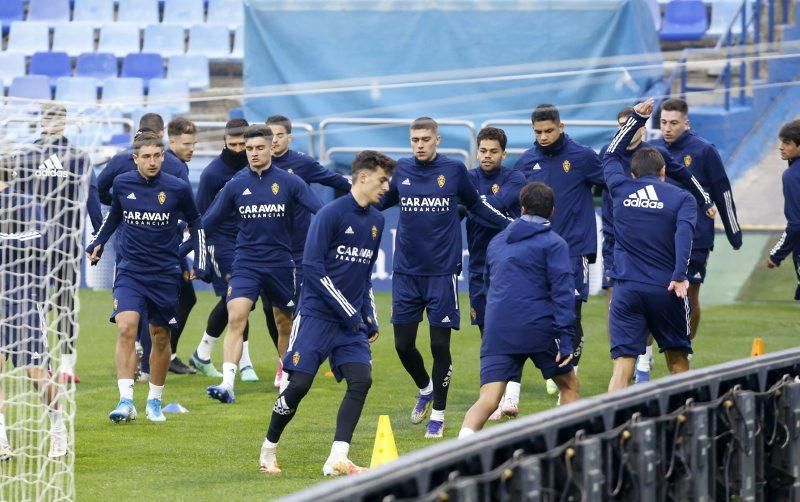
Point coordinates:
[[140, 12], [73, 38], [99, 65], [684, 20], [128, 92], [10, 10], [49, 11], [94, 12], [28, 37], [212, 40], [30, 87], [77, 92], [191, 68], [164, 39], [169, 94], [184, 12], [12, 65], [119, 39], [144, 65], [227, 12], [50, 64]]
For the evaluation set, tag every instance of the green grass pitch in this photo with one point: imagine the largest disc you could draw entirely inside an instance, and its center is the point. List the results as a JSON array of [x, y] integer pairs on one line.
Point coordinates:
[[211, 453]]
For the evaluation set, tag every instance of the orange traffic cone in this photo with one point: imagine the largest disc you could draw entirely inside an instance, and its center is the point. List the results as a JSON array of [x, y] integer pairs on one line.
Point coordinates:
[[758, 347]]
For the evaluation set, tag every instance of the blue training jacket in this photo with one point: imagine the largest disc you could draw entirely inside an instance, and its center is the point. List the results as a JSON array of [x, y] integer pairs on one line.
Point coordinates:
[[263, 207], [428, 240], [218, 172], [790, 239], [310, 171], [23, 249], [570, 169], [653, 220], [148, 210], [341, 248], [123, 162], [500, 188], [703, 160], [530, 288]]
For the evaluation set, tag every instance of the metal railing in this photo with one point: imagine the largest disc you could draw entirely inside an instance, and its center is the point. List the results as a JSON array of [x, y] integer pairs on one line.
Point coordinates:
[[720, 432], [388, 122], [330, 152], [305, 126], [611, 124]]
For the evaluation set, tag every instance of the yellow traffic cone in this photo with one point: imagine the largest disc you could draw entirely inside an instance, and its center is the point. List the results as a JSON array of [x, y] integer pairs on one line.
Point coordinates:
[[385, 450], [758, 347]]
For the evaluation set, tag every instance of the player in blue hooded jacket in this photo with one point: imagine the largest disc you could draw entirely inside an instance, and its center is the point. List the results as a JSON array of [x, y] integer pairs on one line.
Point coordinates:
[[789, 242], [529, 307], [147, 203], [336, 319], [653, 226]]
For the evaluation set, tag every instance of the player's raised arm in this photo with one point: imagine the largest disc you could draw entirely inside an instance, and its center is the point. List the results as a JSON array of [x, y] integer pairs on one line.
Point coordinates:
[[612, 167]]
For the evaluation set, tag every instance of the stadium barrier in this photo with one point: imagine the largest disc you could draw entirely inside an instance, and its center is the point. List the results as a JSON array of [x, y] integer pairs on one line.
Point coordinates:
[[723, 432]]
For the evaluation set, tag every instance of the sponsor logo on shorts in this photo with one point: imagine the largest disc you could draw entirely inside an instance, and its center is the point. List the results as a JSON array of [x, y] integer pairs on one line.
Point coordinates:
[[230, 290], [296, 358], [116, 304], [473, 314], [173, 321], [446, 319]]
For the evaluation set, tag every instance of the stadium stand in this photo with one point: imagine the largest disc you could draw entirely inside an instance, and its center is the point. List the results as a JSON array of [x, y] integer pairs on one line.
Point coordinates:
[[210, 40], [125, 90], [140, 12], [100, 65], [145, 65], [169, 94], [11, 10], [51, 12], [184, 12], [238, 43], [73, 38], [723, 13], [165, 39], [76, 91], [119, 39], [51, 64], [94, 12], [227, 12], [12, 65], [28, 37], [684, 20], [191, 68], [30, 87]]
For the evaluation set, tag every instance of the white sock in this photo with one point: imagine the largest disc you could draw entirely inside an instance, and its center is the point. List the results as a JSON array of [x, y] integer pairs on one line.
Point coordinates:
[[172, 357], [284, 382], [206, 346], [464, 432], [437, 415], [56, 419], [155, 391], [427, 390], [648, 352], [512, 392], [244, 362], [228, 374], [576, 369], [125, 386], [269, 444], [643, 363], [67, 363], [339, 449], [3, 437]]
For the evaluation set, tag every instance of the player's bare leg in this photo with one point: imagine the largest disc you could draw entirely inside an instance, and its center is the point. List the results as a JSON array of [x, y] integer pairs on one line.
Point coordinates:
[[677, 362], [622, 374], [160, 355], [238, 312], [694, 306], [49, 394], [478, 414], [283, 321], [568, 387]]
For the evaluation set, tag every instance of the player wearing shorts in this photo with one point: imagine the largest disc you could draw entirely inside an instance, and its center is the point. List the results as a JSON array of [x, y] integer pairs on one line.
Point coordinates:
[[789, 242]]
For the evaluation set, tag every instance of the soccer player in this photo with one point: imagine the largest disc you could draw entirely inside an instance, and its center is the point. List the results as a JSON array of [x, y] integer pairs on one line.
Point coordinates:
[[23, 290], [263, 201], [676, 172], [337, 318], [147, 203], [427, 262], [182, 135], [221, 247], [653, 227], [570, 169], [55, 172], [310, 171], [530, 312], [500, 186], [703, 159], [790, 239]]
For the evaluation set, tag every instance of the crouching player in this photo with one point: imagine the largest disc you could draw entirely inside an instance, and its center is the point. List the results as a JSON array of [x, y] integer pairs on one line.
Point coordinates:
[[336, 318], [530, 310], [148, 203]]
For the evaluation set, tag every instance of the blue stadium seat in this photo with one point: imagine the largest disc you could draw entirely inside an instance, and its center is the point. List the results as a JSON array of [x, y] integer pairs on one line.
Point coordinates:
[[141, 12], [128, 92], [227, 12], [145, 65], [49, 11], [73, 38], [238, 43], [94, 12], [100, 65], [51, 65], [10, 10], [12, 65], [184, 12], [30, 87], [165, 39], [212, 40], [191, 68], [77, 92], [722, 13], [28, 37], [119, 39], [169, 94], [684, 20]]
